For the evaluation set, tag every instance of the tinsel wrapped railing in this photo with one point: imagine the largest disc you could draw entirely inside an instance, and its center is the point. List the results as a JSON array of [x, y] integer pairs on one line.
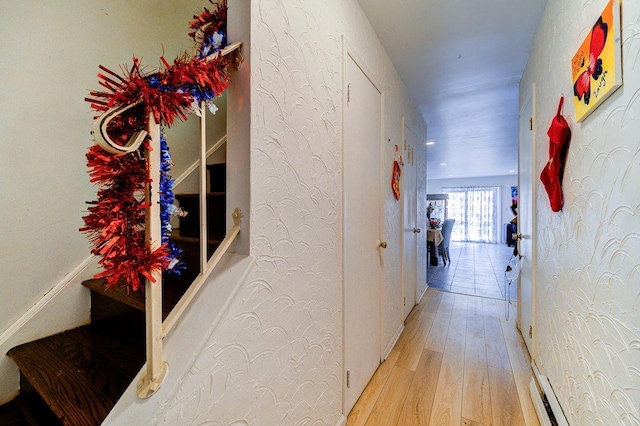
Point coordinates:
[[155, 367], [129, 224], [156, 329]]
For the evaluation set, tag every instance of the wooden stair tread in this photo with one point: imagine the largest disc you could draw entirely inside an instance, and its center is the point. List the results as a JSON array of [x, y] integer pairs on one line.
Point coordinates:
[[31, 411], [81, 373], [172, 291], [173, 286], [135, 299], [176, 237]]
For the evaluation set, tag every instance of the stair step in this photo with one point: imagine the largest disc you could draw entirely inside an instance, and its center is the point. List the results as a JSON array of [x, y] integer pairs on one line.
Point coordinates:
[[11, 415], [172, 290], [33, 410], [134, 299], [216, 214], [176, 237], [82, 373], [79, 375], [173, 286], [217, 177]]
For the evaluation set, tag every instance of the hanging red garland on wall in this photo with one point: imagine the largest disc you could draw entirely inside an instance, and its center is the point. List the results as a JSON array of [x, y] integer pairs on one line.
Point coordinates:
[[396, 174], [115, 223]]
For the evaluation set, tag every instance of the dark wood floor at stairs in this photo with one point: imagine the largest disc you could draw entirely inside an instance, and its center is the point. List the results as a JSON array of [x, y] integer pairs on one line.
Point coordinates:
[[76, 377], [82, 373]]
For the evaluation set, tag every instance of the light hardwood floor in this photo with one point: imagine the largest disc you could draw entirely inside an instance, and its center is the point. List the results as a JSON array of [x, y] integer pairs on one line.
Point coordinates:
[[457, 362]]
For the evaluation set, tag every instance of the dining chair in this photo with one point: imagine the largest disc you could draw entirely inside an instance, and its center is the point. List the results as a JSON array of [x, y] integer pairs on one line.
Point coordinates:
[[443, 248]]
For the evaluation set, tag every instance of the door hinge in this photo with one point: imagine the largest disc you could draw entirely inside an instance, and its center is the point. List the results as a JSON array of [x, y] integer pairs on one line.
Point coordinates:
[[530, 123], [348, 378], [348, 92], [404, 301], [530, 332]]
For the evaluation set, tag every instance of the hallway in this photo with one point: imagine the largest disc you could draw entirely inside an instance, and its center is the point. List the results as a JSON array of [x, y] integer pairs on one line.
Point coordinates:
[[458, 361]]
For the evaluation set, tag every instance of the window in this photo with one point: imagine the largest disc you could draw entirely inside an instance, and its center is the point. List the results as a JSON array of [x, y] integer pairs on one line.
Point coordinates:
[[475, 209]]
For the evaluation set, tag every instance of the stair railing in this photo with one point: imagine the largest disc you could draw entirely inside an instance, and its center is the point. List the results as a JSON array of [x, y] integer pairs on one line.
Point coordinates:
[[196, 164], [156, 330]]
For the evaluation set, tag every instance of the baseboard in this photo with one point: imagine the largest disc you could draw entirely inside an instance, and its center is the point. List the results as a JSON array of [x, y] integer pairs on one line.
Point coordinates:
[[553, 401], [45, 300], [393, 342], [421, 295], [341, 421], [536, 398], [547, 390]]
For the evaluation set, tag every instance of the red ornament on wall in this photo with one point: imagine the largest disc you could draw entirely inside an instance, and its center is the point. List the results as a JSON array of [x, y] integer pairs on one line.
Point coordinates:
[[396, 174]]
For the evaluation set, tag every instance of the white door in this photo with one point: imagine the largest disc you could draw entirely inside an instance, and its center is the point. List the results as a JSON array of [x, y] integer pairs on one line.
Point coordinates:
[[362, 227], [410, 226], [526, 184]]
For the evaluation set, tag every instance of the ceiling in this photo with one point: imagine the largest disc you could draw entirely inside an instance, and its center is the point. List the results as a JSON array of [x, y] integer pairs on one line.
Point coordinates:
[[461, 61]]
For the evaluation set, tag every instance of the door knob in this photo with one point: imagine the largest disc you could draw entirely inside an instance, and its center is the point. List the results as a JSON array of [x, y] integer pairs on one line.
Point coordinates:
[[416, 230], [382, 244]]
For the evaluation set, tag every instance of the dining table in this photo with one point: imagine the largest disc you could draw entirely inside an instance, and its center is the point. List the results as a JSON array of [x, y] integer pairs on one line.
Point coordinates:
[[434, 238]]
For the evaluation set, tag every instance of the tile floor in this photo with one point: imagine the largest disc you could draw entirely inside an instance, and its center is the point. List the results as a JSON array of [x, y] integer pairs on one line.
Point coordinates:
[[476, 269]]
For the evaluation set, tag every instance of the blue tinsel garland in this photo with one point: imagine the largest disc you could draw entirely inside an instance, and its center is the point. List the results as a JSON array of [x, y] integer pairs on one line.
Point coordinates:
[[166, 203]]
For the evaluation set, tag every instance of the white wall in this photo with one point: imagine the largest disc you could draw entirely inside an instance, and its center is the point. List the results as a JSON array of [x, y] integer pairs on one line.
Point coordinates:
[[587, 304], [50, 55], [276, 356], [434, 186]]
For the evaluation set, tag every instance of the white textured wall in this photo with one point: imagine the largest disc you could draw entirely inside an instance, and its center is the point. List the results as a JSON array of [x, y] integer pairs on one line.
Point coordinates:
[[276, 357], [588, 279]]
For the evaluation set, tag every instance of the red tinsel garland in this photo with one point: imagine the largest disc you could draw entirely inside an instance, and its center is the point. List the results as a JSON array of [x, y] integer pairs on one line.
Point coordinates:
[[165, 104], [115, 223], [210, 73], [208, 21]]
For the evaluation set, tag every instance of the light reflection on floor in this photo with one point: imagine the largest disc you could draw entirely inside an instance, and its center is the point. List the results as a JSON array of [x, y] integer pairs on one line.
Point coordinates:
[[476, 268]]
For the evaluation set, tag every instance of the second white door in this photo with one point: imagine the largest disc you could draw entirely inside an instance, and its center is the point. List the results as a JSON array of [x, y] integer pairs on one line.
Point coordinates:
[[526, 199], [362, 227], [410, 226]]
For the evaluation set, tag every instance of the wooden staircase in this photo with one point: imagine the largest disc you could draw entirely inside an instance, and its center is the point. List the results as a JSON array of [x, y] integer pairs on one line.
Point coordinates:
[[76, 377]]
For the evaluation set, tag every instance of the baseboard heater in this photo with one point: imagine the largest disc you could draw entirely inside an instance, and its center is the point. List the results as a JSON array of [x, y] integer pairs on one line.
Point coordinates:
[[546, 404]]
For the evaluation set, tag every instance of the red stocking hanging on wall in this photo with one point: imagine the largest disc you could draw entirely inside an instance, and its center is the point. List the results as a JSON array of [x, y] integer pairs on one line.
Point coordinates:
[[551, 176]]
